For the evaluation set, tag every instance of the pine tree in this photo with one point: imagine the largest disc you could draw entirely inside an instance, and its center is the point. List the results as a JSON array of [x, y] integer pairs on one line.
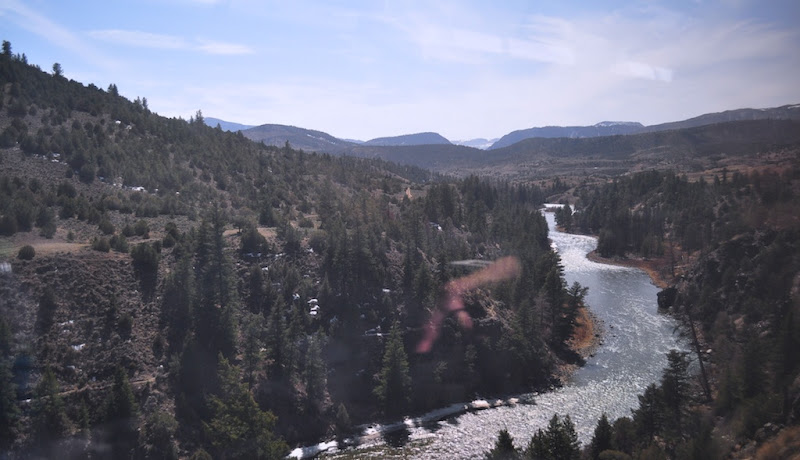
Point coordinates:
[[601, 440], [314, 375], [394, 381], [121, 415], [558, 442], [647, 417], [238, 428], [675, 387], [50, 420], [9, 412], [503, 448]]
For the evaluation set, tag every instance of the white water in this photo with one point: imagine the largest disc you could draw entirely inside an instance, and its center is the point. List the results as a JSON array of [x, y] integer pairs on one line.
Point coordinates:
[[632, 357]]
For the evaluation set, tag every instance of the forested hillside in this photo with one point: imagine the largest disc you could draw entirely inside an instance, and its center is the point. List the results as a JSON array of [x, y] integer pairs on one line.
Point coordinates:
[[729, 249], [170, 289]]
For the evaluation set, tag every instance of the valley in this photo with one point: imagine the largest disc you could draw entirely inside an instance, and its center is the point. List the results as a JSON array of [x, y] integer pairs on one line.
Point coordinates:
[[176, 290]]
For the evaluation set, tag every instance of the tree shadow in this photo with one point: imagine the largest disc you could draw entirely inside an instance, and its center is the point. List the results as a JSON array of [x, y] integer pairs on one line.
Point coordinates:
[[148, 280], [398, 438]]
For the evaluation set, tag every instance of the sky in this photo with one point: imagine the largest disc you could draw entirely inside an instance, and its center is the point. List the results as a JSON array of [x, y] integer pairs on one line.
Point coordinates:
[[464, 69]]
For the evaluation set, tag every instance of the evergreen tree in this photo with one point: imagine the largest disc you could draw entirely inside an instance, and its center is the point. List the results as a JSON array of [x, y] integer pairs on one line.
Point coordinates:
[[394, 381], [558, 442], [50, 420], [647, 417], [9, 412], [503, 448], [314, 375], [675, 387], [238, 428], [343, 425], [121, 415], [214, 321], [603, 435]]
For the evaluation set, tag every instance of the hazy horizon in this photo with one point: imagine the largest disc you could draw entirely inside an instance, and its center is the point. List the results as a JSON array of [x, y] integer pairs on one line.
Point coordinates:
[[358, 70]]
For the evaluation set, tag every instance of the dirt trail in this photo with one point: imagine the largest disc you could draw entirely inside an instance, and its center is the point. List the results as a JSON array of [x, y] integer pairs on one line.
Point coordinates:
[[100, 386]]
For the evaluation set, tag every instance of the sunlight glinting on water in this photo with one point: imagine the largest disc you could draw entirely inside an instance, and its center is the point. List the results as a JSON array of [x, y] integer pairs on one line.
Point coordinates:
[[632, 356]]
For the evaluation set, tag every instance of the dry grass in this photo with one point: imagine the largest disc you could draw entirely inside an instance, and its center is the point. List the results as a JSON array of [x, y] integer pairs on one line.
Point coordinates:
[[10, 246], [583, 337], [785, 446]]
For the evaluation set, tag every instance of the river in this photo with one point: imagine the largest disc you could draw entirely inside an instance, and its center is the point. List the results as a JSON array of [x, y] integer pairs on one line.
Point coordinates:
[[632, 356]]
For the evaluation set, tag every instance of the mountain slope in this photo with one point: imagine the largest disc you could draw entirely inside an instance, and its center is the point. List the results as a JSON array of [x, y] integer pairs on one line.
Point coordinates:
[[609, 128], [409, 139], [225, 125], [600, 129], [299, 138]]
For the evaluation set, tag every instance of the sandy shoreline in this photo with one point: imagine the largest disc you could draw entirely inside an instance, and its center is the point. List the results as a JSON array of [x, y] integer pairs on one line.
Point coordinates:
[[652, 267]]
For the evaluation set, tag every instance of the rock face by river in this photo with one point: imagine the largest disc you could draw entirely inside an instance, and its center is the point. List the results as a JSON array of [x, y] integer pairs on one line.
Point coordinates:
[[632, 357]]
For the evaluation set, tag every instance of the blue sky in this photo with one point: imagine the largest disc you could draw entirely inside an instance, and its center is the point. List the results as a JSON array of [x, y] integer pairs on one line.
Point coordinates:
[[461, 68]]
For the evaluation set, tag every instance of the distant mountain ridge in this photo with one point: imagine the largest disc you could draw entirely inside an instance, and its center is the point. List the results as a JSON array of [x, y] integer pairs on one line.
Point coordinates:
[[225, 125], [610, 128], [398, 147], [299, 138], [409, 139], [479, 143], [605, 128]]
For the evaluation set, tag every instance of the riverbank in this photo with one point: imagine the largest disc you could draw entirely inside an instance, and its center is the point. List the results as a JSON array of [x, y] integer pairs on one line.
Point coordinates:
[[586, 339], [658, 269]]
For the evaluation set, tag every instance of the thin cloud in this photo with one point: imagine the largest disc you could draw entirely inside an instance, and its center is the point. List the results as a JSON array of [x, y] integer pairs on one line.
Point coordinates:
[[136, 38], [212, 47], [53, 32]]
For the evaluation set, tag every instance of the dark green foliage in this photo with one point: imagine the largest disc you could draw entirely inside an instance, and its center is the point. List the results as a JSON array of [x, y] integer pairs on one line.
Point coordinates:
[[9, 411], [121, 415], [119, 243], [602, 438], [141, 229], [649, 415], [46, 311], [252, 241], [5, 338], [50, 420], [125, 325], [145, 257], [503, 448], [106, 227], [314, 375], [8, 225], [394, 382], [158, 436], [26, 252], [343, 425], [675, 388], [101, 244], [564, 218], [237, 427], [558, 442]]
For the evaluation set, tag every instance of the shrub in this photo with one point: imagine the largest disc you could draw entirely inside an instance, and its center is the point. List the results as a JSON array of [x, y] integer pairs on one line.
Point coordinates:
[[252, 241], [142, 229], [125, 325], [168, 241], [145, 257], [8, 225], [106, 227], [86, 173], [48, 230], [26, 252], [101, 244], [119, 243]]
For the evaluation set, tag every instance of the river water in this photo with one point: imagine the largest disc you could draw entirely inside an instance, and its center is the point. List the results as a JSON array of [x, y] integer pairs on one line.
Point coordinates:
[[631, 357]]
